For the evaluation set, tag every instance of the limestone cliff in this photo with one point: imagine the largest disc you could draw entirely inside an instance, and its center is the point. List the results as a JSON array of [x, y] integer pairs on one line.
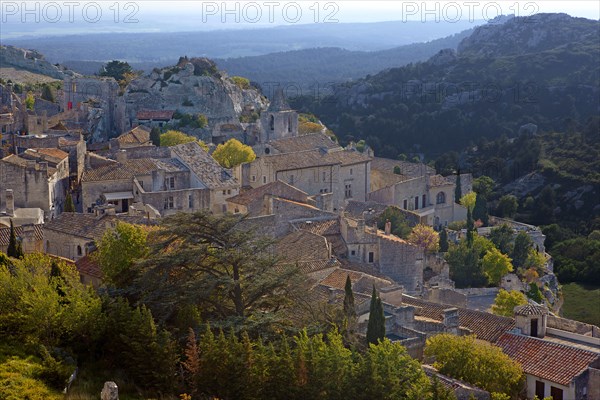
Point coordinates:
[[30, 60], [194, 86]]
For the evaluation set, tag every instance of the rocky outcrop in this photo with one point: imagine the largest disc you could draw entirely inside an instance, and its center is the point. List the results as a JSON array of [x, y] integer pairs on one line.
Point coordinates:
[[30, 60], [193, 86]]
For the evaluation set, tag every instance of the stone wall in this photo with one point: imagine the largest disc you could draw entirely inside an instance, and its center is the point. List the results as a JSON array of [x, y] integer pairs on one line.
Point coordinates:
[[402, 262], [570, 325]]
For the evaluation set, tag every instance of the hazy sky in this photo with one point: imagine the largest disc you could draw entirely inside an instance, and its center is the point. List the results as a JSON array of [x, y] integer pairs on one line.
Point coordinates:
[[78, 16]]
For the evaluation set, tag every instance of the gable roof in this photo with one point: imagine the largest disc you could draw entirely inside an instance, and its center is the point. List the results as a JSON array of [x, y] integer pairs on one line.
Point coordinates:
[[5, 233], [277, 188], [303, 246], [531, 309], [485, 326], [303, 142], [314, 158], [88, 266], [201, 164], [52, 155], [120, 171], [547, 360], [89, 226], [407, 169], [138, 135]]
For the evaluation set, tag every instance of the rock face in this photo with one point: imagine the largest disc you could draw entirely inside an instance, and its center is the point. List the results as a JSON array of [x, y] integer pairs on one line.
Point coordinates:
[[193, 86], [30, 60], [110, 391]]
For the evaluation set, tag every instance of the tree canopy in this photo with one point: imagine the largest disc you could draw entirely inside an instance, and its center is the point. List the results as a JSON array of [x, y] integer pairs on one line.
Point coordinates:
[[505, 302], [233, 153], [173, 138], [425, 238]]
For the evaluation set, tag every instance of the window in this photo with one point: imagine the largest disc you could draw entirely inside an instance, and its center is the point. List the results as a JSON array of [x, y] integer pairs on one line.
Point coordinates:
[[348, 191], [289, 123], [416, 202], [169, 203], [350, 171], [556, 393], [405, 205], [272, 123], [534, 327], [539, 389], [353, 252], [141, 184], [171, 182], [228, 191], [190, 201], [371, 256], [79, 252], [224, 192], [440, 198], [424, 201], [291, 180], [324, 176], [253, 179], [264, 179]]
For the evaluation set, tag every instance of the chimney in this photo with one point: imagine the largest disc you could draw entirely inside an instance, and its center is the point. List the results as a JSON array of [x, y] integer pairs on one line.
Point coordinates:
[[451, 320], [10, 202], [388, 227], [121, 156]]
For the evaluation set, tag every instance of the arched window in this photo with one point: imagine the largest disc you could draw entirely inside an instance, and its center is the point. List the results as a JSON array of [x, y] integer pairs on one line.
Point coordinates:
[[441, 198], [79, 252], [272, 123]]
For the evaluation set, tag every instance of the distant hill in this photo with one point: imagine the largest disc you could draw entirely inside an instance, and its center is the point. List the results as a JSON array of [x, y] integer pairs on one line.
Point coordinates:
[[543, 69], [166, 47], [323, 66]]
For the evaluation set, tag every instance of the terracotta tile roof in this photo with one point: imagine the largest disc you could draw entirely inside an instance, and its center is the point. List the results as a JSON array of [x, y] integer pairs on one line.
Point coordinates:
[[320, 227], [5, 233], [337, 278], [138, 135], [277, 188], [97, 161], [52, 155], [303, 246], [547, 360], [88, 266], [303, 142], [485, 326], [310, 267], [314, 158], [120, 171], [165, 115], [201, 164], [408, 169], [531, 309]]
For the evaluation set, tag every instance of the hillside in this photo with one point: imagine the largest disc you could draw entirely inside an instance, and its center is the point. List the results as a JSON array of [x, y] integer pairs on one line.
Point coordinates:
[[308, 68], [484, 89]]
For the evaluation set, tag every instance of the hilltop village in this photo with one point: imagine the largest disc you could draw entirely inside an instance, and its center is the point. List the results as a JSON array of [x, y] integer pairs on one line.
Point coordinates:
[[73, 169]]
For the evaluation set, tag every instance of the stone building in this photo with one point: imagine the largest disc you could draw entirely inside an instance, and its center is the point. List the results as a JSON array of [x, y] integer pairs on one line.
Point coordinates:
[[342, 175], [135, 137], [180, 178], [252, 201], [416, 187], [153, 118], [278, 121], [31, 237], [39, 178]]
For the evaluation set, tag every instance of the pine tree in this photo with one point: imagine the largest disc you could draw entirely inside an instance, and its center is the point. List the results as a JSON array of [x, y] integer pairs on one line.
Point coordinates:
[[444, 241], [376, 324], [12, 250], [349, 310], [458, 189], [69, 206], [155, 136]]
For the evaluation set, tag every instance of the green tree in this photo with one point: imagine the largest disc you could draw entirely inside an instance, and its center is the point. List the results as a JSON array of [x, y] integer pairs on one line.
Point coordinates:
[[483, 186], [47, 93], [507, 206], [476, 362], [29, 101], [233, 153], [443, 240], [522, 246], [502, 237], [69, 206], [545, 203], [12, 250], [425, 238], [155, 136], [218, 263], [118, 250], [534, 293], [465, 268], [505, 302], [376, 324], [496, 265], [397, 170], [349, 310], [468, 200], [173, 138], [116, 69], [400, 226], [480, 211], [458, 189]]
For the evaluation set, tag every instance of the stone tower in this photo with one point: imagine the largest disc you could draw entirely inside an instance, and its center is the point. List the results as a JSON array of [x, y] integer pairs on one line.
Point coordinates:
[[279, 121], [532, 319]]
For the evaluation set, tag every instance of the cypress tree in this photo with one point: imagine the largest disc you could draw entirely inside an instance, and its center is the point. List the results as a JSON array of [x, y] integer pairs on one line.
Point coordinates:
[[458, 189], [443, 241], [155, 136], [349, 310], [376, 324], [12, 250], [480, 211], [69, 206], [470, 227]]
